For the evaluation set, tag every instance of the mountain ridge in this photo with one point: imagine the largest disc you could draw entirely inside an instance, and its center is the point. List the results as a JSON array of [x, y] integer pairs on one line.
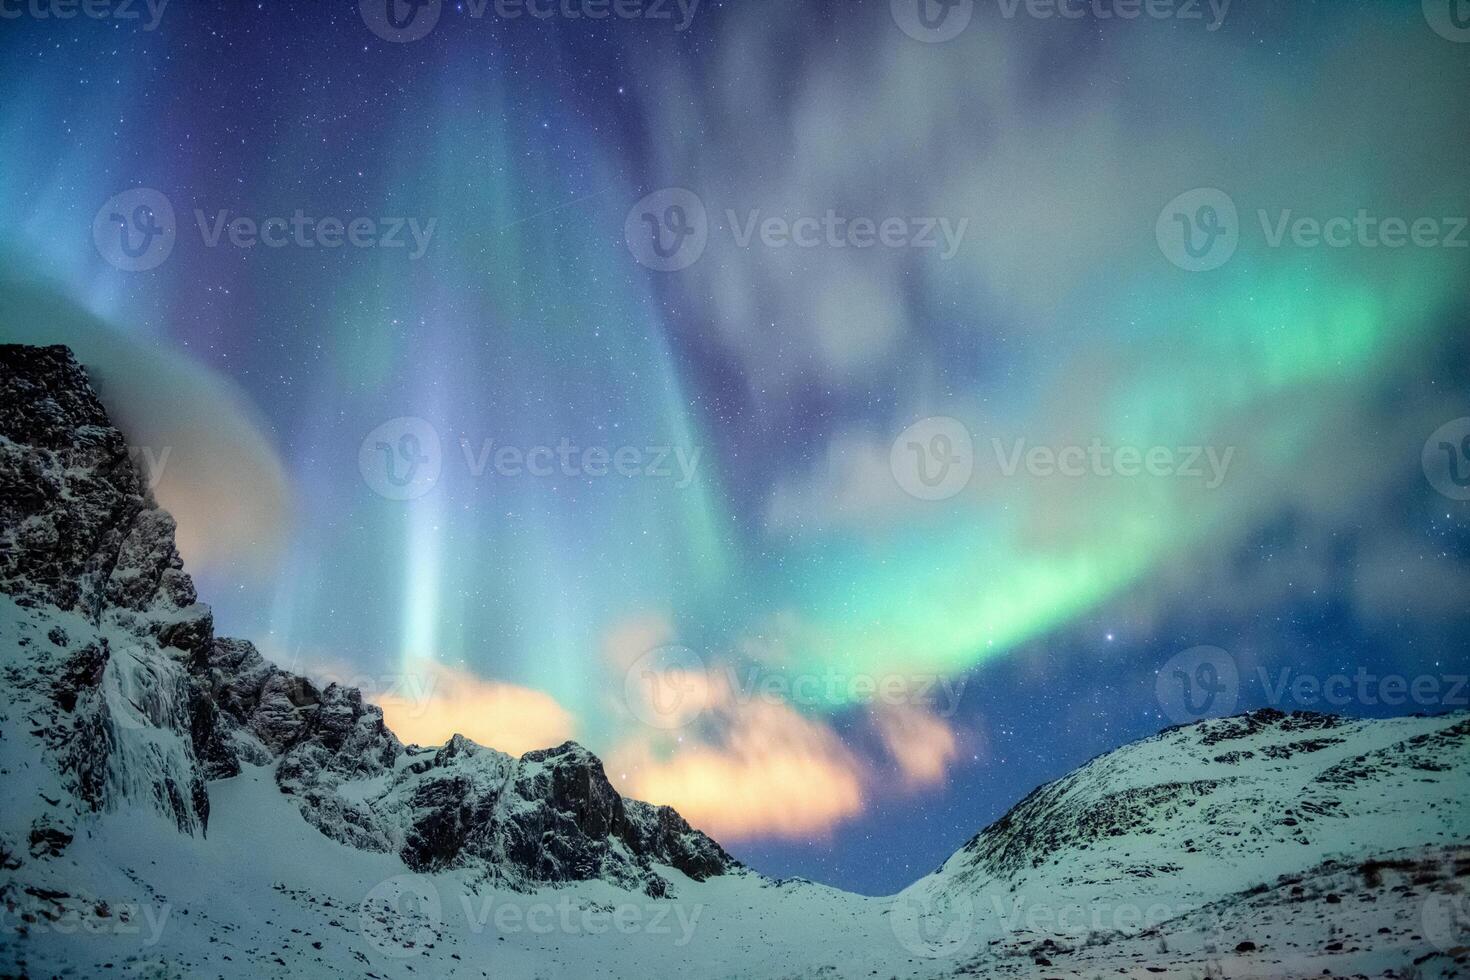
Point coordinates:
[[83, 535], [142, 755]]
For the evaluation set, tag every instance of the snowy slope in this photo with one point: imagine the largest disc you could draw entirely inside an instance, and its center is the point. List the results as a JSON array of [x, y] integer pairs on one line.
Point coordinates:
[[1271, 789], [1159, 830], [265, 893], [262, 872]]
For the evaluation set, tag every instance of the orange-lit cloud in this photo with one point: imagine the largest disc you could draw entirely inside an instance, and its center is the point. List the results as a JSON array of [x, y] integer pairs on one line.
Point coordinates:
[[750, 767], [432, 702], [921, 744], [196, 438], [772, 773], [631, 638], [736, 759]]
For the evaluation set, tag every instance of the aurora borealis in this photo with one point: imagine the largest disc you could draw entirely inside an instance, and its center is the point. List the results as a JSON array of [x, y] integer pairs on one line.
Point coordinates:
[[514, 604]]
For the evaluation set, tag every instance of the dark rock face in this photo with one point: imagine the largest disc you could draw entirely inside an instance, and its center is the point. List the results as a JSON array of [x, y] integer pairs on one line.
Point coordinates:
[[666, 837], [257, 698], [573, 777], [68, 493], [78, 529], [1051, 818], [81, 536], [1424, 755], [342, 739], [550, 816], [1255, 722]]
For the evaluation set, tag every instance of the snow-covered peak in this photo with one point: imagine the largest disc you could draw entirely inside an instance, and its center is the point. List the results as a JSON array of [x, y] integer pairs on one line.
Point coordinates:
[[1197, 811]]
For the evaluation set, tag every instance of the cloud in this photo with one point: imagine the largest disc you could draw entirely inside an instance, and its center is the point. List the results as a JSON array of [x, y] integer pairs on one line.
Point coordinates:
[[428, 703], [853, 487], [1060, 320], [1398, 580], [198, 439], [921, 744], [738, 759], [630, 638], [771, 773]]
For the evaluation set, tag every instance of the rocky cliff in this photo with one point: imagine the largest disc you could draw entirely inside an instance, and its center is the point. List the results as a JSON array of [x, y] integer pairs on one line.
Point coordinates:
[[118, 691]]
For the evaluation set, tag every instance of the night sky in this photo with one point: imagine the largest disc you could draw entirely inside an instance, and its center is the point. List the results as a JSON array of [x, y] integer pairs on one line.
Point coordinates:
[[775, 471]]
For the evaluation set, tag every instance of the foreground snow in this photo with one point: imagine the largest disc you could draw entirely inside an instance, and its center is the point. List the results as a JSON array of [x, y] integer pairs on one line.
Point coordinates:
[[266, 894]]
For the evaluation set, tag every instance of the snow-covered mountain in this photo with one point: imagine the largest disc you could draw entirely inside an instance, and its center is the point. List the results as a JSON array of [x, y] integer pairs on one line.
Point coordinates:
[[550, 816], [1269, 788], [129, 696], [174, 805], [1199, 815]]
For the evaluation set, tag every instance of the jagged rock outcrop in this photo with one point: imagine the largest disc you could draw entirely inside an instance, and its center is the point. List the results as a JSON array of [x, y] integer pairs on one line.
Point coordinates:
[[113, 664], [269, 707], [550, 816], [99, 621], [79, 530]]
